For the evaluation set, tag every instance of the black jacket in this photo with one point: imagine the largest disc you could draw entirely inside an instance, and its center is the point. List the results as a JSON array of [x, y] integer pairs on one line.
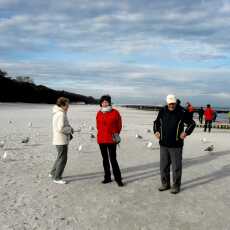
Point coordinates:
[[170, 124]]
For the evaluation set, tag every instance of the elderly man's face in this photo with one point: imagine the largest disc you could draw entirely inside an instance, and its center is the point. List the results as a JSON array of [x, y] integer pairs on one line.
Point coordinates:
[[171, 106]]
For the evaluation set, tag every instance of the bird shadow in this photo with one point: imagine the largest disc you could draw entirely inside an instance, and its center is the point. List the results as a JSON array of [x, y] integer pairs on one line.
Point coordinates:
[[12, 149], [32, 145]]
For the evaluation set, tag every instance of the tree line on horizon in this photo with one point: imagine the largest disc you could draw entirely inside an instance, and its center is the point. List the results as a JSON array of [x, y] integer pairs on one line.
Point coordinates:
[[23, 89]]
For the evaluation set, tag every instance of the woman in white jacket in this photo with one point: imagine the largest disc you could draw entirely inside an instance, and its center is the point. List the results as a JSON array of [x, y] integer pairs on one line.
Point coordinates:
[[62, 134]]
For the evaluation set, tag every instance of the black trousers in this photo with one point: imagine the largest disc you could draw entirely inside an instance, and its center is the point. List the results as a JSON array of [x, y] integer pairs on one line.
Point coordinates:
[[170, 156], [209, 125], [201, 119], [60, 163], [108, 152]]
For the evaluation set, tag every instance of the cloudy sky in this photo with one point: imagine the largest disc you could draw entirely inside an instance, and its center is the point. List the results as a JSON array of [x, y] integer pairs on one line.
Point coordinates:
[[137, 51]]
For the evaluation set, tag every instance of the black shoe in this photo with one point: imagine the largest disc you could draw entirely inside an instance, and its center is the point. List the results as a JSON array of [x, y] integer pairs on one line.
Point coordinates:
[[120, 183], [175, 189], [164, 188], [106, 181]]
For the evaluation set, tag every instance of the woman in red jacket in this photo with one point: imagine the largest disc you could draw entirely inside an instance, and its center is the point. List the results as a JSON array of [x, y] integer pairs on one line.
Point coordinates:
[[109, 125], [208, 114]]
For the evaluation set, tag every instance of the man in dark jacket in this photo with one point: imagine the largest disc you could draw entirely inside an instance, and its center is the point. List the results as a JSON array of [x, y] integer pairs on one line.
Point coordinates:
[[201, 114], [169, 129]]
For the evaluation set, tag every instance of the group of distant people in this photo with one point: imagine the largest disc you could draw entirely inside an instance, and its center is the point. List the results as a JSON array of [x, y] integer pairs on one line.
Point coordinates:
[[209, 115], [169, 129]]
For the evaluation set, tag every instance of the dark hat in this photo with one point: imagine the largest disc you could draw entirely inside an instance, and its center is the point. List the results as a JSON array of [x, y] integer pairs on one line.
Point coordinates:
[[105, 98]]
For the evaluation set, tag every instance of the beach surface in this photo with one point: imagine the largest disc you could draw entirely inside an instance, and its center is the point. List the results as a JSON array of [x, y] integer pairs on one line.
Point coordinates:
[[30, 200]]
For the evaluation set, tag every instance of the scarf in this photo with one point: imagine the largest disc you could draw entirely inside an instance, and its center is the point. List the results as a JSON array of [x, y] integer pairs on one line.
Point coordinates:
[[106, 109]]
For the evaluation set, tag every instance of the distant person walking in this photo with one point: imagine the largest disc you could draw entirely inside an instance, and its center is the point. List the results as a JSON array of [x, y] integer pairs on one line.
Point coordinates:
[[201, 114], [214, 115], [190, 110], [169, 129], [208, 115], [109, 126], [62, 134]]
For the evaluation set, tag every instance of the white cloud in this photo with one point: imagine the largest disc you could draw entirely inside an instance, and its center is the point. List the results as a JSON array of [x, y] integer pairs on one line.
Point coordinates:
[[126, 82], [166, 41]]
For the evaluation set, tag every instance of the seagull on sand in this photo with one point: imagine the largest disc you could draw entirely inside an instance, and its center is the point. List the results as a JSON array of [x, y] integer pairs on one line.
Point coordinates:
[[138, 136], [91, 128], [4, 155], [209, 148], [25, 140], [92, 135], [2, 143], [80, 148], [149, 145], [203, 140]]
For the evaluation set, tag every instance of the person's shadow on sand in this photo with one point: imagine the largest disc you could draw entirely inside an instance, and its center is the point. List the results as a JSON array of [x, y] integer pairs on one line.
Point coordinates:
[[141, 172], [216, 175]]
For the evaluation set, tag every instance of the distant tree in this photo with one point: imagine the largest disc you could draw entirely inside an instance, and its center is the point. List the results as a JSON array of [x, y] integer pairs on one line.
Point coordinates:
[[25, 79], [2, 73]]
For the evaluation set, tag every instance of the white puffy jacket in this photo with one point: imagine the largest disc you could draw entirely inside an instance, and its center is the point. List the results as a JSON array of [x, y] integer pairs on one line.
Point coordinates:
[[61, 127]]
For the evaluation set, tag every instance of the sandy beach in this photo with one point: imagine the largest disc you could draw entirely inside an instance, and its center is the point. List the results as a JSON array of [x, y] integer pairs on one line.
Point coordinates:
[[30, 200]]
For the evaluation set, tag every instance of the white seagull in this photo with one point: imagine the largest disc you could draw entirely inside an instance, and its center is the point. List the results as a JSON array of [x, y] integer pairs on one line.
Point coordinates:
[[80, 148], [149, 145]]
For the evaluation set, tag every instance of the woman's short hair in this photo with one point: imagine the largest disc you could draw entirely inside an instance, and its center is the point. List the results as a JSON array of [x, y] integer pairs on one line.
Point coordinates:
[[105, 98], [62, 101]]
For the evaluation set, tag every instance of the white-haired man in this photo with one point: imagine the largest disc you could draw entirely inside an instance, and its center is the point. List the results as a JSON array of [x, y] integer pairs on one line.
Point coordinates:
[[169, 129]]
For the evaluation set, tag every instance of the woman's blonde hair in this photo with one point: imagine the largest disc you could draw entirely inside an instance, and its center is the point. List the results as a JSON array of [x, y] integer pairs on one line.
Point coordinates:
[[62, 101]]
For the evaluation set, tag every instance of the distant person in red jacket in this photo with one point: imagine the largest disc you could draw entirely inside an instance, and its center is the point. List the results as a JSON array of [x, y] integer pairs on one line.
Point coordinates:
[[109, 126], [190, 110], [208, 115]]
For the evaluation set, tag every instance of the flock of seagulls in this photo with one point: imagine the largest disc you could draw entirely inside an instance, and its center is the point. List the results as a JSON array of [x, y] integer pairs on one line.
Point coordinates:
[[149, 144], [84, 130], [7, 154]]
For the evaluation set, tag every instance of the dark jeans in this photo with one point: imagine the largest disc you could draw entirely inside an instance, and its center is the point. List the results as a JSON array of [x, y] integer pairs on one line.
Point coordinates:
[[60, 163], [170, 156], [209, 125], [201, 119], [108, 152]]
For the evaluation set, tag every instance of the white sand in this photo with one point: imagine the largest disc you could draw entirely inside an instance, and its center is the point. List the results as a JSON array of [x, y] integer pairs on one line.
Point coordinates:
[[30, 200]]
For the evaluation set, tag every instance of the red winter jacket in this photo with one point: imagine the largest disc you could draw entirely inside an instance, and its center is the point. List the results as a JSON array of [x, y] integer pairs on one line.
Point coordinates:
[[108, 123], [208, 114]]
